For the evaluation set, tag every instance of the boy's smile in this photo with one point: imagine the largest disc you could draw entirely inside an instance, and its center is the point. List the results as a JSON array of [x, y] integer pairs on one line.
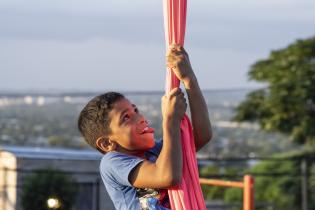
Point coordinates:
[[130, 129]]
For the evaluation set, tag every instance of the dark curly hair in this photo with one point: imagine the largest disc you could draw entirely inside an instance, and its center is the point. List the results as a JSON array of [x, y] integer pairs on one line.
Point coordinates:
[[93, 120]]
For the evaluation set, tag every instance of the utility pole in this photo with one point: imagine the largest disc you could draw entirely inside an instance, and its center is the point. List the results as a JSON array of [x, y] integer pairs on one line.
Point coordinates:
[[304, 183]]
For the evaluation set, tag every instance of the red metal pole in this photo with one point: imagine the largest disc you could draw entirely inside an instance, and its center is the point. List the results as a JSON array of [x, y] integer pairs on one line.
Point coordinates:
[[248, 193], [247, 185], [221, 183]]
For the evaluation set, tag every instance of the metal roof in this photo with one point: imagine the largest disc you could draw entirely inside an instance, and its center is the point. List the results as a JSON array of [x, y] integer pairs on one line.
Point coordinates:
[[51, 153]]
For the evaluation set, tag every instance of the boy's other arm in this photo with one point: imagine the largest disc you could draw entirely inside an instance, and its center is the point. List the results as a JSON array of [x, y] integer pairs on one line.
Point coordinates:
[[167, 170], [178, 60], [199, 113]]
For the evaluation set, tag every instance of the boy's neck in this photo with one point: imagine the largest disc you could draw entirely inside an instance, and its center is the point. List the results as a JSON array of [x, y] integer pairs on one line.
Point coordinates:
[[138, 153]]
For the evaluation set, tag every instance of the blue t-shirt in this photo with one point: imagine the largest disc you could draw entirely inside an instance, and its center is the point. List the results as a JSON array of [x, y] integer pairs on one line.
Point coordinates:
[[115, 168]]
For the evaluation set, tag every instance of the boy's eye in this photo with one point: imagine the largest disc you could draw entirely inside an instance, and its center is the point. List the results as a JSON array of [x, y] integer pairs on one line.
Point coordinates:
[[125, 117]]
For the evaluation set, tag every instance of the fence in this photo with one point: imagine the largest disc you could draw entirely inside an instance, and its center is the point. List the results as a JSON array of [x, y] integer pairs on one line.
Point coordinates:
[[247, 185], [300, 178], [295, 173]]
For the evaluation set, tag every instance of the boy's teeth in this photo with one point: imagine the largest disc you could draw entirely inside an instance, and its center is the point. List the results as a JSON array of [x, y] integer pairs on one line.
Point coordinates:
[[147, 129]]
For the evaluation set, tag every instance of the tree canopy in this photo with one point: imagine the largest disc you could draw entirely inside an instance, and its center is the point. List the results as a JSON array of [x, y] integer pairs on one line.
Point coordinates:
[[287, 104], [48, 183]]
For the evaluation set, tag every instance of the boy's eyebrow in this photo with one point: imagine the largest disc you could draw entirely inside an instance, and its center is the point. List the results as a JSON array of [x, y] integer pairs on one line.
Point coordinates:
[[126, 110]]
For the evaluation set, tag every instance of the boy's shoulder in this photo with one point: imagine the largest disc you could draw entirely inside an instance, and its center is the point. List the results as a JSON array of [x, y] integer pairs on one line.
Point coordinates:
[[114, 165], [114, 158], [115, 168]]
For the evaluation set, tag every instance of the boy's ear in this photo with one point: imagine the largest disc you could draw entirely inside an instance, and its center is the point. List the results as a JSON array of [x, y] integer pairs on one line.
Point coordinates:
[[105, 144]]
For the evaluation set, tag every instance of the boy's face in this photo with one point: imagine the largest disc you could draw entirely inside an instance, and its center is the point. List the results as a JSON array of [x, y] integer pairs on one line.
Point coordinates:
[[129, 128]]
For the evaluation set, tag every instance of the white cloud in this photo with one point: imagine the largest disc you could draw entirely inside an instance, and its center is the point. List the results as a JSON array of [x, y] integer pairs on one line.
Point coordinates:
[[108, 64], [76, 44], [255, 10], [83, 7], [94, 64]]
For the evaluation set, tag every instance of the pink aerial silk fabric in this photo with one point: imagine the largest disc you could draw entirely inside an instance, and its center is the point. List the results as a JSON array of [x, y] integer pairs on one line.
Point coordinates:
[[188, 195]]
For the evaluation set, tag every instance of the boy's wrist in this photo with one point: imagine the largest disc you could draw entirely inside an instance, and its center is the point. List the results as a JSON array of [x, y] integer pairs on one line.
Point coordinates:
[[190, 82], [170, 123], [171, 128]]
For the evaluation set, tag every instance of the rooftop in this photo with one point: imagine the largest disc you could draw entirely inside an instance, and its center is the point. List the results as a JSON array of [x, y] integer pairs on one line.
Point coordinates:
[[51, 153]]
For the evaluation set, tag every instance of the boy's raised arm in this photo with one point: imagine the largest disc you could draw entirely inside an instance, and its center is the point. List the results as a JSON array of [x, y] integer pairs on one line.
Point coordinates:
[[199, 113], [167, 170], [178, 60]]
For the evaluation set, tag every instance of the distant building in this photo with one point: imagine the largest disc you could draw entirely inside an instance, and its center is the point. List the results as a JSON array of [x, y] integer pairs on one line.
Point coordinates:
[[83, 165]]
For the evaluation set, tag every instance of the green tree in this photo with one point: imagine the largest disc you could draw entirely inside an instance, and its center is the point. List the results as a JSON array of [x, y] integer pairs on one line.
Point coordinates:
[[211, 192], [287, 104], [282, 193], [282, 190]]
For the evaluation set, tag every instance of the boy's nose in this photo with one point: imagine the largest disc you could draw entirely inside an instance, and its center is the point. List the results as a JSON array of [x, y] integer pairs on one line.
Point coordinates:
[[143, 120]]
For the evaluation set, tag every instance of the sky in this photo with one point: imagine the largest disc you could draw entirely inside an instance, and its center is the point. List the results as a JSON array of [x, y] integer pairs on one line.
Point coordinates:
[[95, 45]]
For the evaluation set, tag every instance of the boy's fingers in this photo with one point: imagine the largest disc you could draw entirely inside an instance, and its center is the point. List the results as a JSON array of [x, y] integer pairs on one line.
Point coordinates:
[[168, 52], [174, 48], [174, 62], [174, 54], [181, 51], [181, 94], [174, 45], [175, 91], [175, 59], [170, 57], [184, 51], [178, 53], [177, 47]]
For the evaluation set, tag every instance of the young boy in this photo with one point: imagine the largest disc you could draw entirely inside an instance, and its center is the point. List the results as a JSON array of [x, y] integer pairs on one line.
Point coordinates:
[[135, 169]]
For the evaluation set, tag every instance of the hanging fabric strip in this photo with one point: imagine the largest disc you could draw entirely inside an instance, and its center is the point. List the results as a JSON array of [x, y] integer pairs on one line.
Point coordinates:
[[188, 195]]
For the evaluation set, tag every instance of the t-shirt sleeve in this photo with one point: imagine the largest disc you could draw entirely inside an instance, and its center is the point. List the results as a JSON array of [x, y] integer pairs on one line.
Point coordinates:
[[158, 147], [117, 166]]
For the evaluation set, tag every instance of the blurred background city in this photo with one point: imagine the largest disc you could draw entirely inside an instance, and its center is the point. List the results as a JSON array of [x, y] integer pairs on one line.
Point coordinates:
[[50, 120]]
